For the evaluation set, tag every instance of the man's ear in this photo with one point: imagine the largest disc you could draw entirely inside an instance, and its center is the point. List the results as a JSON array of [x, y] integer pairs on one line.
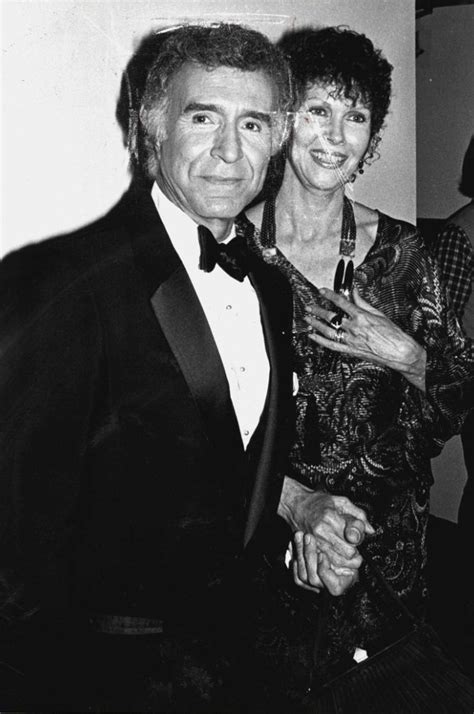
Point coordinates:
[[153, 131], [153, 160]]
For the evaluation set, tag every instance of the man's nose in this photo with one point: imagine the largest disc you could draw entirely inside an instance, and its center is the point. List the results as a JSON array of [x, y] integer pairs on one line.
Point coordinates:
[[227, 145]]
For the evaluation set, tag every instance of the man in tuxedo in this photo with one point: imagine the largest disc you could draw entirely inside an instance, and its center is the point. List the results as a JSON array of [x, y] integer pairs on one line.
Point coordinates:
[[146, 390]]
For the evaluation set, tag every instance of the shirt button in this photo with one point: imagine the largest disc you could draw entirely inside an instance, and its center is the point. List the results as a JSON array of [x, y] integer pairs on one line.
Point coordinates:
[[228, 307], [246, 432], [242, 369]]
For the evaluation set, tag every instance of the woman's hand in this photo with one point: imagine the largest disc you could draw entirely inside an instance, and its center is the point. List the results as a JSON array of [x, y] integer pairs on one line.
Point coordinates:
[[327, 531], [313, 570], [368, 334], [338, 525]]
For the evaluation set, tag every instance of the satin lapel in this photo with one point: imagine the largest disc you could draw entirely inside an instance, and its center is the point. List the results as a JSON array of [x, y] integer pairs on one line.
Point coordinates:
[[268, 428], [184, 324], [180, 316]]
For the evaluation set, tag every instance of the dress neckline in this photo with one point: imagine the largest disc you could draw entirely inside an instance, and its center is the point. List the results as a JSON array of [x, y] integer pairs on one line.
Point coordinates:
[[270, 247]]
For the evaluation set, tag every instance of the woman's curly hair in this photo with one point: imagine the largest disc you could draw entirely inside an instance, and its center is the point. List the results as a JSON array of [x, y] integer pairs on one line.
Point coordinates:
[[333, 56], [344, 58]]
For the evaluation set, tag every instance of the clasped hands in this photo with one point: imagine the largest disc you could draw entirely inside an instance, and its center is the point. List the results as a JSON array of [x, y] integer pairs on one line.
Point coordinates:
[[327, 530]]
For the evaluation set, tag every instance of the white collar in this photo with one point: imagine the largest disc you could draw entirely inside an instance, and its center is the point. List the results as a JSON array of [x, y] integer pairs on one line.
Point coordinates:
[[179, 226]]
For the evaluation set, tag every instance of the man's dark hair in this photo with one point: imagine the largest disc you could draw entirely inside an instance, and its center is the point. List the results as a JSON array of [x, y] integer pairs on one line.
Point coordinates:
[[219, 45], [344, 58]]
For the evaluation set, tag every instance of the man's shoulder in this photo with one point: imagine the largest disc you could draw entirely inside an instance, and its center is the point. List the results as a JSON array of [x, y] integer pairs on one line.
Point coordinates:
[[59, 259], [39, 279]]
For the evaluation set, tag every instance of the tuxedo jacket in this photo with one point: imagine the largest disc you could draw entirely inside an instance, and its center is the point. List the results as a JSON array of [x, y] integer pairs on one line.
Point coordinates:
[[124, 485]]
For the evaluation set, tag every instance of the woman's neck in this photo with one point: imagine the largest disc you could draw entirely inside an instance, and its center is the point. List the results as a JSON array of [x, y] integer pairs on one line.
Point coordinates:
[[305, 215]]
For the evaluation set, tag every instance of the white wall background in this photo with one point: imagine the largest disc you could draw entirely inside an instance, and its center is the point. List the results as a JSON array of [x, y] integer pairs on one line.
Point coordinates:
[[63, 161], [445, 107]]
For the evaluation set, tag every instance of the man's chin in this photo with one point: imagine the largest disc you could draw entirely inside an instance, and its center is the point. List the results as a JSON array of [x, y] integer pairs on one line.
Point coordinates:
[[223, 208]]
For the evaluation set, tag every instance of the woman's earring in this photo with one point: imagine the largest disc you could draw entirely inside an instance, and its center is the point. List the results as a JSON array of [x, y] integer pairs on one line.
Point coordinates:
[[360, 170]]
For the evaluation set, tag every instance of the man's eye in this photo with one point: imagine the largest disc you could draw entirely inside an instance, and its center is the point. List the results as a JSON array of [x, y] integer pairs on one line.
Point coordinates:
[[252, 126], [201, 119]]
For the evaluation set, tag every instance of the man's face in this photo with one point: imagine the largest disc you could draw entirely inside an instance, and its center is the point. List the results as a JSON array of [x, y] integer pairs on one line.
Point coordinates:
[[213, 160]]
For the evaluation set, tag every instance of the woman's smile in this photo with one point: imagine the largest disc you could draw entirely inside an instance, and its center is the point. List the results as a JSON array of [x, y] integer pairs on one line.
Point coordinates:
[[332, 160]]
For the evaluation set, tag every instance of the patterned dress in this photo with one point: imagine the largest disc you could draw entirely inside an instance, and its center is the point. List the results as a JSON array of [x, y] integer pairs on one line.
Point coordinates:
[[377, 433]]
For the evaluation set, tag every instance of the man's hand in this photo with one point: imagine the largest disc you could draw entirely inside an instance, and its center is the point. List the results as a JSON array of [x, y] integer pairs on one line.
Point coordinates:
[[312, 569], [327, 531]]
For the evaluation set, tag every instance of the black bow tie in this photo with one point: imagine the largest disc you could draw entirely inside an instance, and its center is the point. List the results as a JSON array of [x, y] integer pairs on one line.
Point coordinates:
[[232, 257]]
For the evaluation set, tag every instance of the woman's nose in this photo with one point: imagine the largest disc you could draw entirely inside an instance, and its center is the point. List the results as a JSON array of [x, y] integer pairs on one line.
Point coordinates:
[[335, 134]]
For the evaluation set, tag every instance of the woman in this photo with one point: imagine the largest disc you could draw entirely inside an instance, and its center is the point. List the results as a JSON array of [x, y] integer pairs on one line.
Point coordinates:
[[454, 249], [384, 372]]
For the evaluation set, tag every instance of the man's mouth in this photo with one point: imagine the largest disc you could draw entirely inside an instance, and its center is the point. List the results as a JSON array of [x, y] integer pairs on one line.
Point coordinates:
[[223, 180]]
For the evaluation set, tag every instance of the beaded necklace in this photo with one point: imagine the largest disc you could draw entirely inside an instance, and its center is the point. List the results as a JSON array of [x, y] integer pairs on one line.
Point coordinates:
[[344, 275]]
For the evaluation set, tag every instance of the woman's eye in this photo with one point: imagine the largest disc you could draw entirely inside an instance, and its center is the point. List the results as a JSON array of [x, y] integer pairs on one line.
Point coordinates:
[[358, 117], [317, 111]]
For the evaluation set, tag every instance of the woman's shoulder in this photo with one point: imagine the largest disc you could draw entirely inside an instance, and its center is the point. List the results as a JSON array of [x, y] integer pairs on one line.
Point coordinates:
[[391, 229], [404, 228], [394, 233], [366, 220], [364, 214]]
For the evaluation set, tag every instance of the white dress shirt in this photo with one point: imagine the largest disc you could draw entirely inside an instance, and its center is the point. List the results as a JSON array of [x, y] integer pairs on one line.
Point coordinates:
[[232, 311]]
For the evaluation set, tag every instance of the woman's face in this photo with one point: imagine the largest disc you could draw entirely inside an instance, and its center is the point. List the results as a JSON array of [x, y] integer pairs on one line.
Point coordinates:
[[330, 137]]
